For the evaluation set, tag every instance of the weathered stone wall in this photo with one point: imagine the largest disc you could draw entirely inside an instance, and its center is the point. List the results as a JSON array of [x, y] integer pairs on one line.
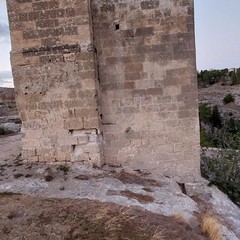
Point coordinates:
[[122, 68], [146, 56], [54, 73]]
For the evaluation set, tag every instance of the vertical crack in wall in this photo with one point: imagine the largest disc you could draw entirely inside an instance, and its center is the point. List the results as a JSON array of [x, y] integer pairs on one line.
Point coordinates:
[[100, 132]]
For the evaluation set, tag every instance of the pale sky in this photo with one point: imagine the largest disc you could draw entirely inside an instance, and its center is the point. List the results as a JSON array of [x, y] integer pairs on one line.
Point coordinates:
[[5, 47], [217, 36], [217, 33]]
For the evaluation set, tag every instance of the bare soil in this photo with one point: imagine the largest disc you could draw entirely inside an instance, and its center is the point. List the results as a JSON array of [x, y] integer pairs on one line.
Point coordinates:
[[29, 218]]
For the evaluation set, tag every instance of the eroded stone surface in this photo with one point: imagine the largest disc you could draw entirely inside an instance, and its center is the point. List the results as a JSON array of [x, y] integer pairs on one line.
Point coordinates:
[[217, 202]]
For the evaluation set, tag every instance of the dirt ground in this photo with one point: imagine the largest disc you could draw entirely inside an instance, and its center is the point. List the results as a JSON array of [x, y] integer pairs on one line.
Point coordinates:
[[28, 218]]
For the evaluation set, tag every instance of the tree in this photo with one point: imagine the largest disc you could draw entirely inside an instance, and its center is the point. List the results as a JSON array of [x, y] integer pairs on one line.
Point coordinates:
[[216, 119], [234, 79], [238, 75], [204, 113], [211, 76]]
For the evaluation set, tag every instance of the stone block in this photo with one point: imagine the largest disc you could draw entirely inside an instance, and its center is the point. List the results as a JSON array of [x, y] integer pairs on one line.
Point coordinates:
[[146, 31], [85, 113], [91, 123], [134, 67], [145, 5], [155, 91], [74, 124], [188, 114], [32, 159], [69, 57], [40, 6]]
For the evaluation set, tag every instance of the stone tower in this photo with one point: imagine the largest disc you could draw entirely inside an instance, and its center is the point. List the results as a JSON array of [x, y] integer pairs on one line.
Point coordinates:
[[107, 82]]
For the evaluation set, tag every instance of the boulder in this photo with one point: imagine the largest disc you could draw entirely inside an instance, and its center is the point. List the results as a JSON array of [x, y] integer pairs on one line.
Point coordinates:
[[11, 127]]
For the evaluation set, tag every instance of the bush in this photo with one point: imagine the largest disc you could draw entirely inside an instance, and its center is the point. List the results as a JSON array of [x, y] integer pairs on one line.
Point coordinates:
[[204, 112], [234, 79], [228, 137], [216, 119], [229, 98], [211, 76], [205, 139], [223, 170], [63, 168]]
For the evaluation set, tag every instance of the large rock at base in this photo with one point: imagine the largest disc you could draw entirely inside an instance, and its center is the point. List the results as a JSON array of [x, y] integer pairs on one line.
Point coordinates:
[[11, 127], [212, 198]]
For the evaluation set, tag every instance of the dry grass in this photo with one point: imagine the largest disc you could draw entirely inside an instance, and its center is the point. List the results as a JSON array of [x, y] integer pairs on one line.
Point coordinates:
[[178, 217], [123, 216], [84, 219], [115, 223], [211, 227], [158, 235]]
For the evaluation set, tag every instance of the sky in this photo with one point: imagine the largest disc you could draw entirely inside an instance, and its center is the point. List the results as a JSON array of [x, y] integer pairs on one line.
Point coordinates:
[[217, 34], [5, 48]]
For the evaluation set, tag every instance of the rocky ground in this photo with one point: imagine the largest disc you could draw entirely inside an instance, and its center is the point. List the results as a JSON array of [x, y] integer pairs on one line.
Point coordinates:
[[77, 202]]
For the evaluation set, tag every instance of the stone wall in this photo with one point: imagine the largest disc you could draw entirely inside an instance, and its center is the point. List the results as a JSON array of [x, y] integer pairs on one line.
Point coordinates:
[[54, 73], [111, 78], [7, 101], [146, 56]]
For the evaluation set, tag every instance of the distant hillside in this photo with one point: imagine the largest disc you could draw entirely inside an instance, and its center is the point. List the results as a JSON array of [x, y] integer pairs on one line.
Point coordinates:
[[219, 112], [226, 76], [214, 95]]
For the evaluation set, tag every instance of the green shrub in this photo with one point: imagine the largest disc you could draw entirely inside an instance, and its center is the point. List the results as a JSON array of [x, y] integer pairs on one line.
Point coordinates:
[[223, 170], [229, 98], [234, 79], [205, 139], [204, 112], [216, 119], [212, 76], [63, 168], [228, 137]]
